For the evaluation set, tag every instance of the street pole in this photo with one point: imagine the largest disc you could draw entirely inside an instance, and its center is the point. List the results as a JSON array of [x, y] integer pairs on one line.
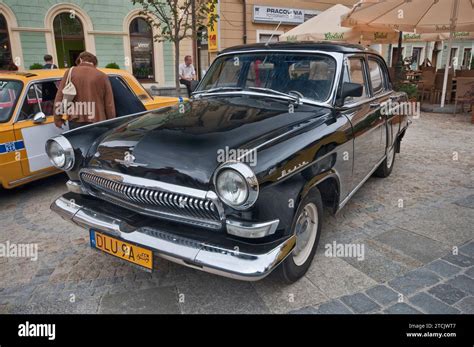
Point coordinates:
[[454, 15], [194, 36]]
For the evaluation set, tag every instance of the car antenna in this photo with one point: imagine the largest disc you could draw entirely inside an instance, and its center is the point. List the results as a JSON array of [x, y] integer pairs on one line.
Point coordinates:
[[273, 33]]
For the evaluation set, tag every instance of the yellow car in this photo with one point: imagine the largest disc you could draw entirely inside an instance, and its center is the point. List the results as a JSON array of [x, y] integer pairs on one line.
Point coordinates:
[[26, 118]]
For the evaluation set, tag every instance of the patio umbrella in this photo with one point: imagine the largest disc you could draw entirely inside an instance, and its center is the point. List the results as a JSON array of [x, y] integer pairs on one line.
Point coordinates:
[[421, 16], [326, 26]]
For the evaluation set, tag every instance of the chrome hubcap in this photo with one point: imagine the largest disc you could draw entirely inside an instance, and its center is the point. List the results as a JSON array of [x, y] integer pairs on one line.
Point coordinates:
[[306, 230], [390, 154]]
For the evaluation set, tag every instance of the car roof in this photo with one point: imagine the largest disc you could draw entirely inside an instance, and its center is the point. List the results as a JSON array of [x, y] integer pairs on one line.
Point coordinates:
[[327, 46], [34, 75]]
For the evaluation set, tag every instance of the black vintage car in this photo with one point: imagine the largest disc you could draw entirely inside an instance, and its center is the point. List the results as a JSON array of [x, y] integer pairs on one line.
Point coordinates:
[[234, 182]]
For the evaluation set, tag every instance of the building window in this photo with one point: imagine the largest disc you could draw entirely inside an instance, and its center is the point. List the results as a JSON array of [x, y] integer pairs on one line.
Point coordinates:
[[141, 45], [466, 58], [264, 38], [69, 38], [6, 62]]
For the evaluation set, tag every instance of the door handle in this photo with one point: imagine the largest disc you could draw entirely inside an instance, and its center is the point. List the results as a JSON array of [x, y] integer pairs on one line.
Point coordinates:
[[375, 105]]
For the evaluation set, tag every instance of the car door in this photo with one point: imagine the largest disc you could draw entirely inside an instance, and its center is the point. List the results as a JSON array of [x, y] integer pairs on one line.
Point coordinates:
[[364, 119], [380, 92], [39, 97]]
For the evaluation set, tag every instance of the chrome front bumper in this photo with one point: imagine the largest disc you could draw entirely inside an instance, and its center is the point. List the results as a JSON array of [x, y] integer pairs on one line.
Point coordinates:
[[227, 258]]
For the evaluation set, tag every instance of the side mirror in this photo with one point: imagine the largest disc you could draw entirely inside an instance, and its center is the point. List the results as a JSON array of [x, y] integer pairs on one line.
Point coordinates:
[[350, 89], [39, 117]]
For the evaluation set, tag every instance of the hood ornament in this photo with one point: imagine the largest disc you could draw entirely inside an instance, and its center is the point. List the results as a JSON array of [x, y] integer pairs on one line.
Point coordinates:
[[129, 161]]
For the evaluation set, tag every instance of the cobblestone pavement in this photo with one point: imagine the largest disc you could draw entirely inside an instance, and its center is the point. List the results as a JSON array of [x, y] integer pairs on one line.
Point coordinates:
[[416, 227]]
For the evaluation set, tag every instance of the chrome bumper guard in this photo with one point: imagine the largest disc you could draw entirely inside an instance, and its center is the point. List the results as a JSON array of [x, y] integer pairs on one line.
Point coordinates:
[[202, 255]]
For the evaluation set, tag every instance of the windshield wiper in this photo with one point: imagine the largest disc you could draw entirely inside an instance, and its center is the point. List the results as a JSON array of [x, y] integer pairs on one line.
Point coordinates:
[[218, 89], [296, 98]]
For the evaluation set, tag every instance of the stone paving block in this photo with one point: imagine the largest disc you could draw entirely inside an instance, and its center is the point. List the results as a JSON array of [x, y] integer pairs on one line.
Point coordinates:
[[468, 201], [149, 301], [305, 310], [360, 303], [429, 304], [470, 272], [378, 265], [382, 294], [443, 268], [333, 307], [416, 246], [401, 308], [282, 297], [413, 281], [206, 293], [459, 260], [468, 249], [466, 305], [447, 293], [464, 283], [335, 277]]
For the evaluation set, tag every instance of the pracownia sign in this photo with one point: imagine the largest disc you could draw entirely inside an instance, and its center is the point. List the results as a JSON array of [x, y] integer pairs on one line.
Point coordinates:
[[268, 14]]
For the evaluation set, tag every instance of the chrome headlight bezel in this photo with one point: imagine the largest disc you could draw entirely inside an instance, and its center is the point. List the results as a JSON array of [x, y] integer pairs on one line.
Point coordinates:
[[68, 150], [250, 179]]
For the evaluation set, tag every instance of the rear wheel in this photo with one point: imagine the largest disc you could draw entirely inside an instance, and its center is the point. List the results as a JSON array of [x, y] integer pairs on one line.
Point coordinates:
[[385, 168], [307, 228]]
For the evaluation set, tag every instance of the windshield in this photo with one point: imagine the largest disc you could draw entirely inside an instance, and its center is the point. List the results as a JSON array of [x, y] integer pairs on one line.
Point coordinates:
[[9, 93], [310, 75]]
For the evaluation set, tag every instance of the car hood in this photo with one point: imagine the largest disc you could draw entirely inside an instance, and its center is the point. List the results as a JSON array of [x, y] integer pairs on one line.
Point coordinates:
[[181, 144]]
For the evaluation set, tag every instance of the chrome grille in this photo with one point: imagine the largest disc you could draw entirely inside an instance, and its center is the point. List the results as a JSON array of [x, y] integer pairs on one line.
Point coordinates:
[[154, 201]]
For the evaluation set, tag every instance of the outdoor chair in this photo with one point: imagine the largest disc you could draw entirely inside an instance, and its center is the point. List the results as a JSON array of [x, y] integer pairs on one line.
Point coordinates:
[[426, 84], [438, 88], [464, 92]]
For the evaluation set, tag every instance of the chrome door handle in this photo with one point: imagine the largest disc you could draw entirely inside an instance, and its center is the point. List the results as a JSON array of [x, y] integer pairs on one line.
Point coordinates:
[[375, 104]]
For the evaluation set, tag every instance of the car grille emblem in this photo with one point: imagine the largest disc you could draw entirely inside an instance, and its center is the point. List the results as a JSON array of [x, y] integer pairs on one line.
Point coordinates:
[[129, 160]]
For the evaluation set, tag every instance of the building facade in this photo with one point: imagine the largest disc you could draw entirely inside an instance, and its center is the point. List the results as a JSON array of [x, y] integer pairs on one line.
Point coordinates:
[[113, 30]]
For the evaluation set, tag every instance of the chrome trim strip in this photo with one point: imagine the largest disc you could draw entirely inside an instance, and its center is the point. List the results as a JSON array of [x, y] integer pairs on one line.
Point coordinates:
[[251, 230], [356, 188], [201, 255]]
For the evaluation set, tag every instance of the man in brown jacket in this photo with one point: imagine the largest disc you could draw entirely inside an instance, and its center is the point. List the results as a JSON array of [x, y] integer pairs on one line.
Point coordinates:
[[94, 100]]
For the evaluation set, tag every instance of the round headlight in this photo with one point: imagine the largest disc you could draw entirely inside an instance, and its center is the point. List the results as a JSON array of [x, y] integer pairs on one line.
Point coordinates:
[[60, 152], [236, 185], [231, 187]]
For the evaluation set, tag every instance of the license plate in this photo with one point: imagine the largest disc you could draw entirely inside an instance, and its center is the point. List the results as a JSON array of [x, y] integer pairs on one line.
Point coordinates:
[[121, 249]]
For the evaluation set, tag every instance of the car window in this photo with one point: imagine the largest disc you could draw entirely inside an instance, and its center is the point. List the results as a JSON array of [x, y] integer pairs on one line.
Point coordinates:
[[376, 76], [354, 72], [39, 98], [126, 102], [9, 94]]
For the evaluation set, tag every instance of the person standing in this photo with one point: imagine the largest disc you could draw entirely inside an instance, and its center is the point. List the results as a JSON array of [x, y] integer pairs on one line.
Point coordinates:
[[94, 99], [187, 73], [48, 62]]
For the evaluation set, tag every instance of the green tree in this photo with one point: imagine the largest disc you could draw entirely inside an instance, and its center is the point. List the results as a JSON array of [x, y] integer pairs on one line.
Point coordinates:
[[176, 20]]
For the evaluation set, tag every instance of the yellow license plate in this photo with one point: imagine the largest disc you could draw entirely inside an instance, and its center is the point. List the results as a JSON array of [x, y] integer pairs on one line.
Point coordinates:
[[123, 250]]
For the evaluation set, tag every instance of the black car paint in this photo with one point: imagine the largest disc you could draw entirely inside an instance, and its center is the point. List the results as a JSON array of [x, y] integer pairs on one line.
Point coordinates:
[[296, 151]]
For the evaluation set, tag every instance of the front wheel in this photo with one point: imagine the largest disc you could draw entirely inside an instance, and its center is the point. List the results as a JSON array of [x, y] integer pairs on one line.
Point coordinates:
[[385, 169], [307, 228]]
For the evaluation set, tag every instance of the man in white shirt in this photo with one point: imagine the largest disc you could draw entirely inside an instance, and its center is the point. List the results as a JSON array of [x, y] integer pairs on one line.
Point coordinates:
[[187, 73]]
